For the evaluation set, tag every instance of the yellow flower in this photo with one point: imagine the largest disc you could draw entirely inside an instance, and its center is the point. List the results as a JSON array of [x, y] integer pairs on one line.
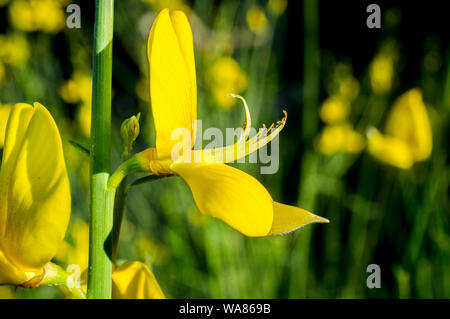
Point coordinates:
[[134, 280], [256, 19], [334, 109], [34, 194], [349, 87], [219, 190], [5, 109], [277, 7], [21, 15], [382, 73], [84, 118], [339, 138], [408, 137], [32, 15], [78, 89], [14, 49], [226, 76], [382, 68]]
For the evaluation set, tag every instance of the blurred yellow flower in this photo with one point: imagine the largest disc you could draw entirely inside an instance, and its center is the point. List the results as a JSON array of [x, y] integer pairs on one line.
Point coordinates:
[[77, 251], [5, 109], [408, 134], [37, 15], [2, 73], [334, 109], [277, 7], [14, 49], [134, 280], [349, 87], [382, 68], [339, 138], [342, 83], [381, 74], [219, 190], [158, 5], [78, 89], [256, 19], [83, 118], [225, 76], [34, 194]]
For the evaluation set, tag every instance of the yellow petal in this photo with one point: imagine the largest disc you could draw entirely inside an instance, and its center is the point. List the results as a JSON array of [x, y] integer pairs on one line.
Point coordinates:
[[15, 131], [134, 280], [390, 150], [34, 189], [184, 35], [10, 275], [5, 109], [229, 194], [409, 122], [173, 88], [289, 218]]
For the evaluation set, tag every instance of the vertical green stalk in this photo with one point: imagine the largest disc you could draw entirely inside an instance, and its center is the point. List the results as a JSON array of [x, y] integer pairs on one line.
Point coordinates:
[[101, 197], [311, 68], [308, 185]]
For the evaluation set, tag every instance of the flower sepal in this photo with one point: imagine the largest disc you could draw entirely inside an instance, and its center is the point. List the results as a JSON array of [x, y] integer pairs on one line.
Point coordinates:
[[54, 275]]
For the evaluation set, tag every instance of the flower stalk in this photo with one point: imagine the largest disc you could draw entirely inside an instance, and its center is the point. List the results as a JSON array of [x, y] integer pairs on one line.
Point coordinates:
[[101, 197], [129, 132]]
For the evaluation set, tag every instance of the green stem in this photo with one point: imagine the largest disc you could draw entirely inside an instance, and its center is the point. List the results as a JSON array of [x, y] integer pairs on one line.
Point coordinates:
[[101, 197], [119, 209]]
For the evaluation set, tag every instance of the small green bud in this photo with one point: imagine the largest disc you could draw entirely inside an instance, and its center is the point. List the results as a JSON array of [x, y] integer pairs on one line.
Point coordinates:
[[130, 131]]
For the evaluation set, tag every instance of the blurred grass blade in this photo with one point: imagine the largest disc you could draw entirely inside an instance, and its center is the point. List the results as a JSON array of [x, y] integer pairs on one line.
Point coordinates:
[[80, 147]]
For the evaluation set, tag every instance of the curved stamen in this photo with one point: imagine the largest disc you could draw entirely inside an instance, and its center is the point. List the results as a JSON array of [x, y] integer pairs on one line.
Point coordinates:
[[246, 126], [239, 150]]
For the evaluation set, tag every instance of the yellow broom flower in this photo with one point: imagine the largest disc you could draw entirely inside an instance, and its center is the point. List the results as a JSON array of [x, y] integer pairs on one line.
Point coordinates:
[[134, 280], [257, 20], [334, 109], [339, 138], [408, 136], [219, 190], [34, 195], [31, 15], [224, 76]]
